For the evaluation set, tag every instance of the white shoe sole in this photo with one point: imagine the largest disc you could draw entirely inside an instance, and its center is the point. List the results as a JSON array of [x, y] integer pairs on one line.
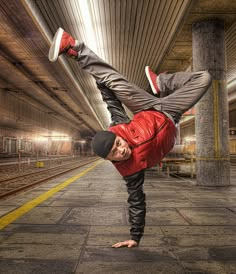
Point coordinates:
[[150, 80], [55, 47]]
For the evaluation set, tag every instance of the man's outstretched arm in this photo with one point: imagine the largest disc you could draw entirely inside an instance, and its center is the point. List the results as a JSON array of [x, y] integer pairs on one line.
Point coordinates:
[[137, 209]]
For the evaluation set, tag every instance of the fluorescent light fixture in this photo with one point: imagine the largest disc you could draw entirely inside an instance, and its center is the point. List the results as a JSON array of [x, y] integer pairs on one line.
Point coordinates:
[[82, 141], [54, 136], [61, 138], [190, 139], [85, 10], [40, 139], [231, 83]]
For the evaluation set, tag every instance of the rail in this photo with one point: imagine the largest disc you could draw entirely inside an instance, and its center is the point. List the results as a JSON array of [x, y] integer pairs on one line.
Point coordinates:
[[177, 162], [171, 162], [22, 182]]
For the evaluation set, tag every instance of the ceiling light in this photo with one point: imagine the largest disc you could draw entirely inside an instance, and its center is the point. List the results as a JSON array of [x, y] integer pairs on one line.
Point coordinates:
[[86, 12]]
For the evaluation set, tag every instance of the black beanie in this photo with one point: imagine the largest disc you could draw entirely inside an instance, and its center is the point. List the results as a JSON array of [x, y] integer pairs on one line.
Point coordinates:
[[103, 142]]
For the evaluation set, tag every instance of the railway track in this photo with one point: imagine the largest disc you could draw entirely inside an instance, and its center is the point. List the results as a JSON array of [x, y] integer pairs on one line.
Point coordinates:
[[12, 167], [16, 184]]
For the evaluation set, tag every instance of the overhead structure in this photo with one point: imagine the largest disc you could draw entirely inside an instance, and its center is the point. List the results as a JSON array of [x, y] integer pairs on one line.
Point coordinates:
[[127, 34]]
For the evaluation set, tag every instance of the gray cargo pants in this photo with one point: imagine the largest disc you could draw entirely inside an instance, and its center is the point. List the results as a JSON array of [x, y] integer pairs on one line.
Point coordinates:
[[179, 91]]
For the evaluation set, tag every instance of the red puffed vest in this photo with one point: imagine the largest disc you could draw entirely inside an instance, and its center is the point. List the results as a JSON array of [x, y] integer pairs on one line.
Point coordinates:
[[151, 135]]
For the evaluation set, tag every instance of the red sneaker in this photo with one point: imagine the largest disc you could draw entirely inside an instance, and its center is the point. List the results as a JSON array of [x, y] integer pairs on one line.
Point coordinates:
[[61, 43], [152, 78]]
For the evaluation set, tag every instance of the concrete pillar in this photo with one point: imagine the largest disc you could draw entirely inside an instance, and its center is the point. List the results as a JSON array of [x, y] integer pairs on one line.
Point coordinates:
[[212, 117]]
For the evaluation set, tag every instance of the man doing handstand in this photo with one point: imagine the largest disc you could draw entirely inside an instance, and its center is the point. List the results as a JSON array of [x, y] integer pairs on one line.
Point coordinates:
[[135, 145]]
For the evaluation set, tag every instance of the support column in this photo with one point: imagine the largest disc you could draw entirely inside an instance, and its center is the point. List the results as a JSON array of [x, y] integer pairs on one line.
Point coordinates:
[[212, 116]]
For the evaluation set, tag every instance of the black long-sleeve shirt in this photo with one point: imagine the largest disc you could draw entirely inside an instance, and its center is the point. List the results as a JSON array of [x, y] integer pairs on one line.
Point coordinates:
[[134, 182], [137, 204]]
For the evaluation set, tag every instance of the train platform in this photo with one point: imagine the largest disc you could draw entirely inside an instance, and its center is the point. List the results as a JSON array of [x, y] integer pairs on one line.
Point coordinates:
[[69, 224]]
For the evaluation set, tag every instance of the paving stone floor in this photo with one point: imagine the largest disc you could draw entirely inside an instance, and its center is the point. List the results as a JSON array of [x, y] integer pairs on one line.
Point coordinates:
[[189, 229]]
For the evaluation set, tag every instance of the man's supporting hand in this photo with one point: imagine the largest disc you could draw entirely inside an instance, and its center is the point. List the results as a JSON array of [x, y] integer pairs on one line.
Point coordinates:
[[129, 243]]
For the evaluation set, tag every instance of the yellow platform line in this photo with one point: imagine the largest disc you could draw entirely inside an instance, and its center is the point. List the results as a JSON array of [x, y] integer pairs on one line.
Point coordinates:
[[213, 159], [215, 86], [17, 213]]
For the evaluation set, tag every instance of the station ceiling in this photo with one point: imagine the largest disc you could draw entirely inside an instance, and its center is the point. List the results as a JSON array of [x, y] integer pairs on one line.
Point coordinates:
[[128, 34]]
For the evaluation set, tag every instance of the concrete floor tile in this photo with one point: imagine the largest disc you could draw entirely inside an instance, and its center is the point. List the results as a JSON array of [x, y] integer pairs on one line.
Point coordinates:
[[153, 230], [166, 267], [213, 202], [209, 216], [45, 238], [81, 193], [75, 202], [47, 228], [114, 202], [233, 209], [164, 216], [210, 267], [195, 253], [153, 241], [36, 266], [40, 251], [10, 228], [112, 195], [201, 240], [96, 216], [120, 204], [229, 267], [223, 253], [50, 200], [4, 236], [115, 198], [122, 230], [196, 194], [98, 187], [164, 195], [106, 240], [171, 203], [25, 197], [198, 230], [109, 230], [5, 209], [43, 215], [108, 254]]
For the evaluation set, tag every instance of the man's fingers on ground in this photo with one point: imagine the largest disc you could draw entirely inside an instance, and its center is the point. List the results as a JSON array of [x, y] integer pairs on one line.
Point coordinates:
[[119, 244], [129, 243], [116, 245]]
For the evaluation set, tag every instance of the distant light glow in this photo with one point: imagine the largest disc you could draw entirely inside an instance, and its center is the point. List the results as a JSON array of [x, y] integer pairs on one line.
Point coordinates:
[[85, 10], [188, 139], [232, 83], [61, 138], [53, 137], [40, 139]]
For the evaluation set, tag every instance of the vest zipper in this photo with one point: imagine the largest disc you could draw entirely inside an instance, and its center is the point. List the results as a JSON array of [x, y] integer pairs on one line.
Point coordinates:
[[160, 128]]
